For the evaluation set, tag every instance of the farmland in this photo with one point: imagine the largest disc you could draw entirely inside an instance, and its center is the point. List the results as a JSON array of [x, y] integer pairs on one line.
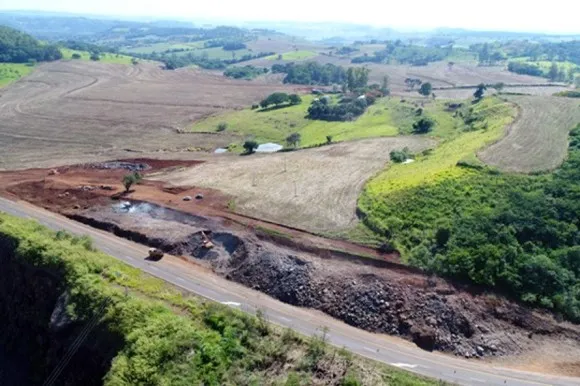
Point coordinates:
[[538, 140], [70, 106], [286, 187]]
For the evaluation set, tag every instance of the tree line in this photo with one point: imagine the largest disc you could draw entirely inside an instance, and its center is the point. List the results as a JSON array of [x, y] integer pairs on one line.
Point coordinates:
[[18, 47], [174, 61]]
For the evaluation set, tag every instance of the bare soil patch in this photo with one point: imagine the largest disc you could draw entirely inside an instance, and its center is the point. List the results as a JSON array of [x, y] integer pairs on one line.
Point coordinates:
[[313, 189], [68, 112], [538, 139]]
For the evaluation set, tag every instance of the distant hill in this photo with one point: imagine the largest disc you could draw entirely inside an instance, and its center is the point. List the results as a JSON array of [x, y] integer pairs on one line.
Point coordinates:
[[19, 47]]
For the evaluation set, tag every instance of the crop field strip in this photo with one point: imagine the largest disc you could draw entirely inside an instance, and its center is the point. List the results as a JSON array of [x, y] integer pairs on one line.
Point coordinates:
[[538, 140]]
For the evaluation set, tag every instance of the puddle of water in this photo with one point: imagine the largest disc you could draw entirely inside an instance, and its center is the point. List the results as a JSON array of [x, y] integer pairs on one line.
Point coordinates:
[[220, 150], [269, 148], [147, 210]]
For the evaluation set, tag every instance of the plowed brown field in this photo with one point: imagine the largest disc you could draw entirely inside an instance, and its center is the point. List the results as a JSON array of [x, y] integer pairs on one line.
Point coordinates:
[[74, 111]]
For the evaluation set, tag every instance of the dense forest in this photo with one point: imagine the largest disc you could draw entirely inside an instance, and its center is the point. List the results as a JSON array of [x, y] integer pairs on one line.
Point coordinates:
[[18, 47], [517, 233]]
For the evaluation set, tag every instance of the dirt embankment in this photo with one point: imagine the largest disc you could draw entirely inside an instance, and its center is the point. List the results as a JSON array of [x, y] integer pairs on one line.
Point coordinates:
[[433, 313]]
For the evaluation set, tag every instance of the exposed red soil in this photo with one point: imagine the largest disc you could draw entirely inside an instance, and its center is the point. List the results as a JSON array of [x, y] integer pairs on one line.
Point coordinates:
[[77, 187]]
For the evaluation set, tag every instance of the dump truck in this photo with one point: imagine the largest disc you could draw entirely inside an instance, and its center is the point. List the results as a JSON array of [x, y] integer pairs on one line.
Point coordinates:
[[155, 253]]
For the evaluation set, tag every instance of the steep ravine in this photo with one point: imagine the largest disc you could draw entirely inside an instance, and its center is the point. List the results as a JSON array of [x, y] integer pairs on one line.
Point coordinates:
[[37, 331]]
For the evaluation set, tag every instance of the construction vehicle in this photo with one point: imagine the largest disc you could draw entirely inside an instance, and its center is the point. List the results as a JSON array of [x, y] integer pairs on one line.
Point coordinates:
[[155, 253], [205, 241]]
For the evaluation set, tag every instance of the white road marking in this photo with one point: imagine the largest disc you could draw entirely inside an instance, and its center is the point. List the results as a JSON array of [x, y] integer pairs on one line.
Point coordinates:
[[232, 304], [403, 365], [154, 268], [180, 279], [369, 349], [287, 320], [477, 380]]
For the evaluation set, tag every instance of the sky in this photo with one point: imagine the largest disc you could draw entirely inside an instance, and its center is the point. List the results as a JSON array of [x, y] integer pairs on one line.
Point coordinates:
[[557, 16]]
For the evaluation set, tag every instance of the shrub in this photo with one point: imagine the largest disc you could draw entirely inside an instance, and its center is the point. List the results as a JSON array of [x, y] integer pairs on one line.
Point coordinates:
[[76, 55], [250, 146], [399, 156], [131, 179], [423, 126], [294, 99], [222, 126]]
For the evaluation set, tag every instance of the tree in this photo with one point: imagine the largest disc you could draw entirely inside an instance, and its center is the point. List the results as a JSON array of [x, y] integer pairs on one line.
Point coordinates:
[[553, 73], [95, 56], [294, 99], [134, 61], [423, 126], [293, 139], [76, 55], [276, 98], [131, 179], [250, 146], [426, 89], [498, 86], [478, 94], [350, 79], [577, 81], [413, 82], [385, 85]]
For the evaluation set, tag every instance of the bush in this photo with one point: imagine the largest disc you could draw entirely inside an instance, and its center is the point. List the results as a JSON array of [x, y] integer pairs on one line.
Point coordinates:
[[276, 99], [250, 146], [399, 156], [76, 55], [222, 127], [423, 126], [95, 57], [131, 179], [294, 99]]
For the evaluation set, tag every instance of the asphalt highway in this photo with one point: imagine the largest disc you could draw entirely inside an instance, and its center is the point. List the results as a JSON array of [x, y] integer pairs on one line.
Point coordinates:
[[203, 282]]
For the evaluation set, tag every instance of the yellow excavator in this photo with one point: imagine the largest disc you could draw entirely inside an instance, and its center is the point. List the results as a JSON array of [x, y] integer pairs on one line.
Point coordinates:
[[205, 241]]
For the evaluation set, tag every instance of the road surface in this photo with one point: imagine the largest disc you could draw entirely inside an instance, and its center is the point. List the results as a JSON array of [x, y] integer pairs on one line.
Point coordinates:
[[201, 281]]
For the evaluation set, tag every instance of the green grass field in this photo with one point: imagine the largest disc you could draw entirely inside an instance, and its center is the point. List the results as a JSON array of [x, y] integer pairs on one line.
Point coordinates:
[[387, 117], [160, 47], [441, 162], [105, 58], [294, 55], [11, 72]]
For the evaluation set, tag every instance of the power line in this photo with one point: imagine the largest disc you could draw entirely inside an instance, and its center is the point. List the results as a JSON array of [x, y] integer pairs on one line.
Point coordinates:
[[76, 344]]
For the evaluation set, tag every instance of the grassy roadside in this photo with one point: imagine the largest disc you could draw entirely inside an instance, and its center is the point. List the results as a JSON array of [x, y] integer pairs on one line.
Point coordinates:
[[11, 72], [171, 338]]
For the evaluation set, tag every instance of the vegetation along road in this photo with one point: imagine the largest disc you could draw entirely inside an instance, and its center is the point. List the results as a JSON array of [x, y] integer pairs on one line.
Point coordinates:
[[307, 322]]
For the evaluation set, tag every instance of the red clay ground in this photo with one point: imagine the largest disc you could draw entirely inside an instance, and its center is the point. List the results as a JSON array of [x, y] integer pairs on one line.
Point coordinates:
[[74, 188]]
